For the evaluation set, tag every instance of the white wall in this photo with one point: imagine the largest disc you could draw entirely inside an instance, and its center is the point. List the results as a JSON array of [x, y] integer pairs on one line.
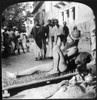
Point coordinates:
[[84, 13]]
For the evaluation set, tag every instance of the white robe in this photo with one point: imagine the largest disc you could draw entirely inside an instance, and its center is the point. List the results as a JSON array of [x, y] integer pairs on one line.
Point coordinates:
[[50, 43]]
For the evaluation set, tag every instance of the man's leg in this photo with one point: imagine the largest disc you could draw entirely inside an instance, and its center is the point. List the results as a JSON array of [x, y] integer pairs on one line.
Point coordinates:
[[23, 47], [36, 51], [45, 67], [50, 47], [56, 59], [18, 47], [44, 48]]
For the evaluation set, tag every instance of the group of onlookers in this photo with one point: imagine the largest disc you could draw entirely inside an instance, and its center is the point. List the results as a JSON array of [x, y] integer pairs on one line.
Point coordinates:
[[12, 41], [46, 36]]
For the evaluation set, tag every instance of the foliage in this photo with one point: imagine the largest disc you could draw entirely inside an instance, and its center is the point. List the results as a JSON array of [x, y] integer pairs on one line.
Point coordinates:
[[16, 15]]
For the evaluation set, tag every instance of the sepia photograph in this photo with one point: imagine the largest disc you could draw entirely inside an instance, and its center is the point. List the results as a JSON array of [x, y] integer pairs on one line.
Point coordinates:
[[48, 50]]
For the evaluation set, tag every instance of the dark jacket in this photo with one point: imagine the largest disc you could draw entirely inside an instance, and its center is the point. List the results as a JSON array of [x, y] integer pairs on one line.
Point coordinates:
[[66, 31], [36, 34], [43, 33], [47, 31]]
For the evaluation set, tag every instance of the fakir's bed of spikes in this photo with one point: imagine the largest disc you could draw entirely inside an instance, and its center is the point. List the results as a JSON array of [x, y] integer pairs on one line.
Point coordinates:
[[7, 82]]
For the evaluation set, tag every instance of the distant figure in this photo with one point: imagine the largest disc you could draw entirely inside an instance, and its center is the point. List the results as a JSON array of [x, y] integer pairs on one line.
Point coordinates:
[[50, 40], [28, 43], [16, 40], [24, 42], [21, 42], [57, 29], [65, 31], [43, 37], [36, 34], [93, 42], [2, 41], [7, 43], [47, 28]]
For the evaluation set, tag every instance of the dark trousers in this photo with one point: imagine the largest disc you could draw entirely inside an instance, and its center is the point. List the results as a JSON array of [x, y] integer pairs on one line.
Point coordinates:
[[21, 45], [44, 46]]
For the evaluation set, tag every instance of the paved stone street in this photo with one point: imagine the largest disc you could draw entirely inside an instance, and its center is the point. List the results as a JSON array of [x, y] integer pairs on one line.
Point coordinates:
[[26, 60]]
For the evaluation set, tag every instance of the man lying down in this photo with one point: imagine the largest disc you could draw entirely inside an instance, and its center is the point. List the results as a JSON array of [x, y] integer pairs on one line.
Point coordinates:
[[59, 63]]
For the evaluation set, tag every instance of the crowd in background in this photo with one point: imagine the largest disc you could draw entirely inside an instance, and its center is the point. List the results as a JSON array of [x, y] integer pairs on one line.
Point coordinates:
[[13, 42], [51, 41], [57, 42], [46, 36]]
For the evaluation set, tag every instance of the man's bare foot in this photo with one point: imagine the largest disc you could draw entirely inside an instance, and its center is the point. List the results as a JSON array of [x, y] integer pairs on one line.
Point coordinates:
[[53, 71], [10, 75]]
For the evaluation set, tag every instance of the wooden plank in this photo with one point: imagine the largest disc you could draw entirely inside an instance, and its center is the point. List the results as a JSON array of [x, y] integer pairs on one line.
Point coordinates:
[[40, 81]]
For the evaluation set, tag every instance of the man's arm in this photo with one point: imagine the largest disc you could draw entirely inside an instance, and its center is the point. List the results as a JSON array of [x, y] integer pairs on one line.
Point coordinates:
[[32, 33], [62, 30]]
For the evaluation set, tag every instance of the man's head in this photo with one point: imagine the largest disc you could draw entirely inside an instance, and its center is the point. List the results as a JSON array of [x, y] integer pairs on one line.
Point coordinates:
[[42, 22], [52, 22], [36, 21], [75, 28], [56, 22], [74, 35], [60, 39], [49, 22], [64, 23]]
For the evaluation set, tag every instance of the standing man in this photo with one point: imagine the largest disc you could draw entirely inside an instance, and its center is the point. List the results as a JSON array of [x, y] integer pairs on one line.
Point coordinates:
[[2, 41], [16, 40], [7, 43], [57, 30], [65, 31], [43, 34], [22, 42], [36, 34], [49, 30]]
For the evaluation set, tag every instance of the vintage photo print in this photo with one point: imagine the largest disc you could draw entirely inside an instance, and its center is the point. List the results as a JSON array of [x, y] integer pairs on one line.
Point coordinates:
[[48, 50]]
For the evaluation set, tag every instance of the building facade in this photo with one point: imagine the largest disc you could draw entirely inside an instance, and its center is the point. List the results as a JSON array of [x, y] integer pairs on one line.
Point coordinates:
[[72, 12], [76, 14]]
